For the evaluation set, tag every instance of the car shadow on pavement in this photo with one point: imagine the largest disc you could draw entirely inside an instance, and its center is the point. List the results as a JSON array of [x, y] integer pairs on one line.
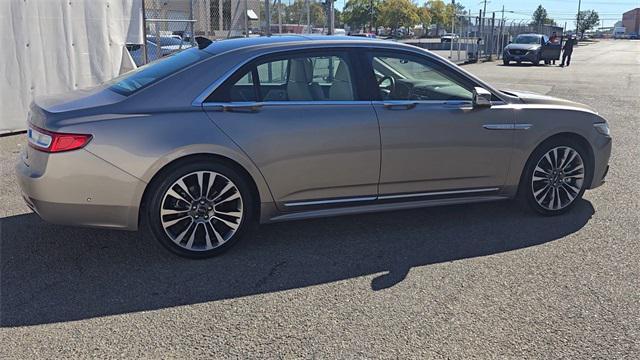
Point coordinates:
[[53, 273]]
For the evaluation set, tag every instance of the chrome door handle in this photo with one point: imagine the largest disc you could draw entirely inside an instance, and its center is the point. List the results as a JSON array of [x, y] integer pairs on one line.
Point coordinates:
[[250, 107], [242, 108], [399, 105]]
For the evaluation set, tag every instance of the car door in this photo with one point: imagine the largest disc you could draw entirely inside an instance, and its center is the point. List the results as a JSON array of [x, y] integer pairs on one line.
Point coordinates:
[[433, 139], [299, 116], [549, 50]]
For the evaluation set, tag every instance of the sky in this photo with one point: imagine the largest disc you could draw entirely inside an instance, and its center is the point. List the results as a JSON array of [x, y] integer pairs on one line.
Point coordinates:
[[562, 11]]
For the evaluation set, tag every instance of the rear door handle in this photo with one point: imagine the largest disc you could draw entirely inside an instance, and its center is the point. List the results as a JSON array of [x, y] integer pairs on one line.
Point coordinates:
[[399, 105]]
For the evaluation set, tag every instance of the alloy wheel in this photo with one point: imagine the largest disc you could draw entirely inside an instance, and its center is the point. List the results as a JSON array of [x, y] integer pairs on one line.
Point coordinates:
[[558, 178], [201, 210]]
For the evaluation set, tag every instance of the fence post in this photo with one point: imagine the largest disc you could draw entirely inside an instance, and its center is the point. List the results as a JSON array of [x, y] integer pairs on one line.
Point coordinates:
[[267, 16], [145, 57], [490, 42], [191, 35]]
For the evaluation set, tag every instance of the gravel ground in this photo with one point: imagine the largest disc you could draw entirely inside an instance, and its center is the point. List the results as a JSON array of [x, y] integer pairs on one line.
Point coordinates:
[[475, 281]]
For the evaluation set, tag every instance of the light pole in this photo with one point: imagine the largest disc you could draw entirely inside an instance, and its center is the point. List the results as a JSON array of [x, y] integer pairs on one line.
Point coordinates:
[[453, 22], [578, 18]]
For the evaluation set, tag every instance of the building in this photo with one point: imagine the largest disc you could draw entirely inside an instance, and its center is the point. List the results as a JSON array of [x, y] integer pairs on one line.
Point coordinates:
[[631, 21]]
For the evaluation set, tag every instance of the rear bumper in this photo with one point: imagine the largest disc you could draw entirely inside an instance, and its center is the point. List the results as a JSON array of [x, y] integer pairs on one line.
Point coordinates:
[[80, 189]]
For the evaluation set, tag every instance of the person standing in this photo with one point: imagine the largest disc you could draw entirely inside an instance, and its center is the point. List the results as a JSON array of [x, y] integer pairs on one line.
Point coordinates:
[[553, 40], [567, 50]]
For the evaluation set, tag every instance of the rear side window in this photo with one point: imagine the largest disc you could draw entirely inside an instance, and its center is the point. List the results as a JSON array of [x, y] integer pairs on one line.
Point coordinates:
[[294, 77], [145, 75]]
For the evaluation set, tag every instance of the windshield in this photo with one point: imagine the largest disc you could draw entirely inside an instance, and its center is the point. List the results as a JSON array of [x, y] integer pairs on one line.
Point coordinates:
[[167, 41], [526, 39], [145, 75]]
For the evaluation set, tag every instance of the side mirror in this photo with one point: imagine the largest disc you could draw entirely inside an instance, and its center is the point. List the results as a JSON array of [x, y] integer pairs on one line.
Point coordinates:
[[510, 41], [481, 97]]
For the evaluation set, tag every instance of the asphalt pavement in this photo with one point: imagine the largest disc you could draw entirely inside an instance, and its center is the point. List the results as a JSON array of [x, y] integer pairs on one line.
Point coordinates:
[[474, 281]]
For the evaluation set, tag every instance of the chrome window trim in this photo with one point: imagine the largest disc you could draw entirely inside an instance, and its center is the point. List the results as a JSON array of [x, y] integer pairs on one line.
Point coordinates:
[[387, 197], [200, 99], [281, 103]]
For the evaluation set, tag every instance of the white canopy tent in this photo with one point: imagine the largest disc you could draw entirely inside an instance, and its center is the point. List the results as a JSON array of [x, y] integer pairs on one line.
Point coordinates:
[[54, 46]]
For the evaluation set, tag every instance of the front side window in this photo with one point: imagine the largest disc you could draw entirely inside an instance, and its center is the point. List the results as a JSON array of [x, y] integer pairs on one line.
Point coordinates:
[[291, 78], [401, 77]]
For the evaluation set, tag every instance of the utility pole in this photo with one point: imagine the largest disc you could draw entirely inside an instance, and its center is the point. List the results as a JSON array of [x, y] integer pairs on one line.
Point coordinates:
[[371, 14], [484, 13], [279, 16], [578, 18], [267, 15], [307, 2], [331, 19], [453, 22], [246, 18]]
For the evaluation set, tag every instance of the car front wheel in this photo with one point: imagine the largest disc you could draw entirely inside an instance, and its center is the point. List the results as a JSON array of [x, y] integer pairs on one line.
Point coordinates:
[[555, 177], [200, 209]]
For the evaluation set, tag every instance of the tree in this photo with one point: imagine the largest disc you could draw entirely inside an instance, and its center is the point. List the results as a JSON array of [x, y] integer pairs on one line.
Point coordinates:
[[425, 16], [587, 20], [395, 14], [296, 13], [357, 13], [540, 17], [438, 13]]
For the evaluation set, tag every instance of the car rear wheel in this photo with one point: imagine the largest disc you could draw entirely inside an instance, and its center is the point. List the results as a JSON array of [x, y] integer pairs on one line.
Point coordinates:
[[556, 176], [200, 209]]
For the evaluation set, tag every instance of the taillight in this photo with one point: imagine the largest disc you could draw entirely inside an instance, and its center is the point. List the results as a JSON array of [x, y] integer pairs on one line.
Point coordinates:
[[50, 141]]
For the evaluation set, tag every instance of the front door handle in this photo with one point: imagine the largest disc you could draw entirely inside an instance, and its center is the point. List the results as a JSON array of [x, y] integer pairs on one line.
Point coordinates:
[[249, 108], [242, 108], [399, 105]]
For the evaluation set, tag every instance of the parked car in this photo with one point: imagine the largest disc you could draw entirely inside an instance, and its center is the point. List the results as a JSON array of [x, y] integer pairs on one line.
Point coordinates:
[[445, 38], [201, 145], [531, 48], [365, 35], [168, 45], [633, 36]]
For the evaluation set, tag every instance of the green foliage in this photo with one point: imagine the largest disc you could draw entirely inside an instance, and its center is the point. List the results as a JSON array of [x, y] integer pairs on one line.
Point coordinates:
[[540, 17], [397, 13], [357, 13], [587, 20], [296, 13]]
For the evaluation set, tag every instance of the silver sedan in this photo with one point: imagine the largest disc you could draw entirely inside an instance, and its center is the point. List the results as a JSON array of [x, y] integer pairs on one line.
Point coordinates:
[[201, 145]]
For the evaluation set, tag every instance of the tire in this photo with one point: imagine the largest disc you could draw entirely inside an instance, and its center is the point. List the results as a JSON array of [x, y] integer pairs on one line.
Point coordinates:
[[536, 61], [548, 193], [547, 62], [199, 224], [505, 62]]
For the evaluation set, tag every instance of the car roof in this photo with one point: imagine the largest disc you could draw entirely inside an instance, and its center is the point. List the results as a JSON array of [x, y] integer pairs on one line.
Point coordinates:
[[530, 35], [221, 46]]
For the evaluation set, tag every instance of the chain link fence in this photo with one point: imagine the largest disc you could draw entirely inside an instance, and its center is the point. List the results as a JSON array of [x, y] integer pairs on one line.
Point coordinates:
[[174, 25], [469, 38]]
